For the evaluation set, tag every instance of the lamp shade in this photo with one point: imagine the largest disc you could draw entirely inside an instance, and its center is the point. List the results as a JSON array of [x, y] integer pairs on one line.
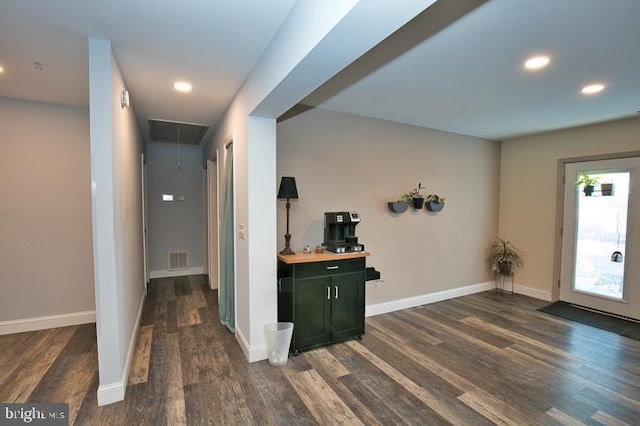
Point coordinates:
[[288, 188]]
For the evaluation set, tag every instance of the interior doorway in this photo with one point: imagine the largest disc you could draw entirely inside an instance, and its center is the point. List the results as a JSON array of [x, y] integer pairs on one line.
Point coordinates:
[[600, 255], [227, 290]]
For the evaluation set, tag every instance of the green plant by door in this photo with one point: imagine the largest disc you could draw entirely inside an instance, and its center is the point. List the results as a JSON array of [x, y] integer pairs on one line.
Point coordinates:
[[503, 257], [588, 182]]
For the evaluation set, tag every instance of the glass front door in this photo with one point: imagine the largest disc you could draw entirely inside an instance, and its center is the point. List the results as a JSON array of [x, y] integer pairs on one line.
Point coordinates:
[[598, 263], [601, 235]]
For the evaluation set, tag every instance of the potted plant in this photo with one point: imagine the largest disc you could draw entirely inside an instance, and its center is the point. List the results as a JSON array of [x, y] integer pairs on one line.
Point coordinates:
[[607, 189], [434, 203], [503, 257], [415, 197], [589, 183]]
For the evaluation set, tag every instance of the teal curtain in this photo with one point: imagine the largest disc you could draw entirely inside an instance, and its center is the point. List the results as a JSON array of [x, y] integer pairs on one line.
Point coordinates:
[[227, 291]]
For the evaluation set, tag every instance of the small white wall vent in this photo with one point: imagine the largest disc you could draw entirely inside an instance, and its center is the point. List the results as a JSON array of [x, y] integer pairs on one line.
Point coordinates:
[[177, 260]]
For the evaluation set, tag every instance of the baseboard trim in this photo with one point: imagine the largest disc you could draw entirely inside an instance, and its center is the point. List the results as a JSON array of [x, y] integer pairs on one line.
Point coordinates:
[[412, 302], [45, 322], [244, 344], [179, 273], [115, 392], [111, 393], [251, 353], [258, 353], [532, 292]]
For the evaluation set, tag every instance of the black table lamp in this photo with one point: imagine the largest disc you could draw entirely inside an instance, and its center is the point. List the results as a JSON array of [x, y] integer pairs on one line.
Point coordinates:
[[288, 190]]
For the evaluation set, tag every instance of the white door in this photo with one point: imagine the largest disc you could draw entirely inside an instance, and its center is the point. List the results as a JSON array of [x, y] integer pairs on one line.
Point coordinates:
[[600, 265]]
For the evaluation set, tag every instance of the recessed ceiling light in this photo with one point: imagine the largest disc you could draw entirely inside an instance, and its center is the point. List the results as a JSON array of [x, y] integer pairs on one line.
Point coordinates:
[[1, 69], [592, 89], [182, 86], [536, 62]]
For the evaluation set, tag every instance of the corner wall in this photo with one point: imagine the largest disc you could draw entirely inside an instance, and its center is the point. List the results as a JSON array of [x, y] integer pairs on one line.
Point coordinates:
[[344, 162], [304, 54], [116, 147], [46, 267], [528, 189]]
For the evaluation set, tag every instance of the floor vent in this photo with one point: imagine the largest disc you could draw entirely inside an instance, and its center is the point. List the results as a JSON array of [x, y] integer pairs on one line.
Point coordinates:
[[177, 260]]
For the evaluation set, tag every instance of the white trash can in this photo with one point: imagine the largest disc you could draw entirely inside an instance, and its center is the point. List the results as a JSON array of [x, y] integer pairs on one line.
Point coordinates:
[[278, 339]]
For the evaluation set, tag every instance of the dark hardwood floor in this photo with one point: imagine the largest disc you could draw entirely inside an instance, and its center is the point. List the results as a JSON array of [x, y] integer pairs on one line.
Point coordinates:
[[480, 359]]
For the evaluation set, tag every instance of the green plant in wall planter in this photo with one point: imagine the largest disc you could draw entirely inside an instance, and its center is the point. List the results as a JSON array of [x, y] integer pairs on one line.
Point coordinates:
[[434, 203], [414, 197], [588, 182], [503, 257]]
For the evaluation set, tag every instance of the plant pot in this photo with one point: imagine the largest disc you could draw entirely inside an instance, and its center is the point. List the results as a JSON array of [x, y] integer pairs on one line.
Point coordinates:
[[418, 202], [398, 206], [505, 268], [607, 189], [588, 190], [433, 206]]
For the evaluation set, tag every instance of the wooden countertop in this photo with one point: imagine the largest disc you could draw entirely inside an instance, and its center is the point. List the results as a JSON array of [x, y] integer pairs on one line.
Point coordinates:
[[315, 257]]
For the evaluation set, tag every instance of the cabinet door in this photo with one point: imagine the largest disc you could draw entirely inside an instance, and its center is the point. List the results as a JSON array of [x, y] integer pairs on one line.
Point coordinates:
[[312, 312], [347, 293]]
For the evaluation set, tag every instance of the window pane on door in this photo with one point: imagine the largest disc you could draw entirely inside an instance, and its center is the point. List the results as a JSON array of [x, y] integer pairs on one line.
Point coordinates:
[[601, 230]]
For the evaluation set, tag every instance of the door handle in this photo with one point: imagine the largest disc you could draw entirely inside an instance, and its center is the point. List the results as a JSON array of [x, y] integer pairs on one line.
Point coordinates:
[[336, 288], [332, 267]]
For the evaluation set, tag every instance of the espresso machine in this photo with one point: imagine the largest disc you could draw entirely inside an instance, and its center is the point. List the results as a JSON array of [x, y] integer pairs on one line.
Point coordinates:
[[340, 232]]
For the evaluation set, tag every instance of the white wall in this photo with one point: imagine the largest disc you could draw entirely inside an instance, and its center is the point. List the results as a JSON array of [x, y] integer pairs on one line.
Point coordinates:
[[528, 188], [177, 225], [345, 162], [46, 266], [116, 146]]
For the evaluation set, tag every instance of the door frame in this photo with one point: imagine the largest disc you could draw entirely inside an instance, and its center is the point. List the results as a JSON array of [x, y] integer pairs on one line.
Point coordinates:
[[213, 222], [560, 181], [145, 220]]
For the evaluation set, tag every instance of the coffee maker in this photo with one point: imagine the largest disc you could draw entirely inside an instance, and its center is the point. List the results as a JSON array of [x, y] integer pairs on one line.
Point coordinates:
[[340, 232]]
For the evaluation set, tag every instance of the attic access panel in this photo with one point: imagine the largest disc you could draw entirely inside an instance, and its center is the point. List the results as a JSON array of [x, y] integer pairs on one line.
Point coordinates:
[[168, 131]]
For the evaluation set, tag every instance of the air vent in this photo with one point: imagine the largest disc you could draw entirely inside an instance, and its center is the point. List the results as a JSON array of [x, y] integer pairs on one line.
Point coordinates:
[[175, 131], [177, 260]]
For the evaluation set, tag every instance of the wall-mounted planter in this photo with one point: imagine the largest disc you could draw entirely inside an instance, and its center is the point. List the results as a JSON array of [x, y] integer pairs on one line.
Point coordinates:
[[607, 189], [433, 206], [398, 206], [418, 202], [588, 190]]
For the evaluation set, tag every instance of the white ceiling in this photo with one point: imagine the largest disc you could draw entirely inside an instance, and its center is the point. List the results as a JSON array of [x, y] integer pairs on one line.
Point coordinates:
[[469, 77], [213, 44], [466, 79]]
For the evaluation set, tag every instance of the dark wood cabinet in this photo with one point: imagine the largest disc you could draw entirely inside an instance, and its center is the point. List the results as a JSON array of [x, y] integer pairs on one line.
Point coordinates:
[[313, 311], [323, 295]]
